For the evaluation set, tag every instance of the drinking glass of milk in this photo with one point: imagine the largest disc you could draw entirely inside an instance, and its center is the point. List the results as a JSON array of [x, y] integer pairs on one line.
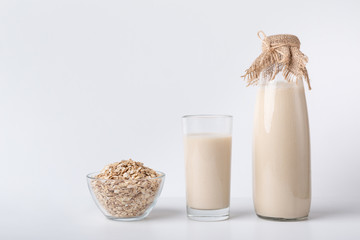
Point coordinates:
[[207, 145]]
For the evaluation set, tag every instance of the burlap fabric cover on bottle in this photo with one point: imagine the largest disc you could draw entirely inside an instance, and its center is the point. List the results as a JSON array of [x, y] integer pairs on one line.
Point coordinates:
[[280, 53]]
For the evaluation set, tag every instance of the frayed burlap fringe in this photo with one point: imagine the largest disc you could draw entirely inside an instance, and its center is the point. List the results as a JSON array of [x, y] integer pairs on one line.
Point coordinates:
[[280, 53]]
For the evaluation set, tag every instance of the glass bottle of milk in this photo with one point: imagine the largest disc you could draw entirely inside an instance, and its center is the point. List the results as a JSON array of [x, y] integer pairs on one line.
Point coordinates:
[[281, 140], [281, 151]]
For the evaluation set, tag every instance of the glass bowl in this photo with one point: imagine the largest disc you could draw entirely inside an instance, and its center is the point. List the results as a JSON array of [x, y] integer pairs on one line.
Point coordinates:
[[125, 200]]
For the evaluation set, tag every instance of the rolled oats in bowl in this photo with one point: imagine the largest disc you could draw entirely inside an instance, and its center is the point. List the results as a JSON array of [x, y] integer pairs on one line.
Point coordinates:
[[126, 190]]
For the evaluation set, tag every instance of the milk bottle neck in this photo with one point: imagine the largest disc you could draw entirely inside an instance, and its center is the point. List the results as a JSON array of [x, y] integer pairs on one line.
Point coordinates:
[[279, 82]]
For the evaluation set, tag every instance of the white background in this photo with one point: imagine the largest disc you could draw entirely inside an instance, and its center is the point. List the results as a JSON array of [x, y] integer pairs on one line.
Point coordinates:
[[87, 83]]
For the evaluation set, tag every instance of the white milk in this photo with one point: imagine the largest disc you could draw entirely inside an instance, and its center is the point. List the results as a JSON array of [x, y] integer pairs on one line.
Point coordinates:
[[281, 152], [207, 163]]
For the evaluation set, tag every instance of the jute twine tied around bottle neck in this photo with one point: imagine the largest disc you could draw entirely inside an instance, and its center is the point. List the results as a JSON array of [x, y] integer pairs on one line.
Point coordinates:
[[280, 53]]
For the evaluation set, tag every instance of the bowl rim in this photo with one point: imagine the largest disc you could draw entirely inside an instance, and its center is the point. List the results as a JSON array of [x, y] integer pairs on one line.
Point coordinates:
[[92, 174]]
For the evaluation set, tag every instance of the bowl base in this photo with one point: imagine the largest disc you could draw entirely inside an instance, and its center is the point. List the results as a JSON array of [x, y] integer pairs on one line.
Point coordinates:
[[129, 219]]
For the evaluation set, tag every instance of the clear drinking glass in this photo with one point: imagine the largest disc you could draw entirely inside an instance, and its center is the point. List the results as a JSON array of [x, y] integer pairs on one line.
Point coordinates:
[[207, 145]]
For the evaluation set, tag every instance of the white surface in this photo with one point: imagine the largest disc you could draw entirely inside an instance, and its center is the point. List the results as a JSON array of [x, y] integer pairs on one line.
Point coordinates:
[[86, 83], [330, 219]]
